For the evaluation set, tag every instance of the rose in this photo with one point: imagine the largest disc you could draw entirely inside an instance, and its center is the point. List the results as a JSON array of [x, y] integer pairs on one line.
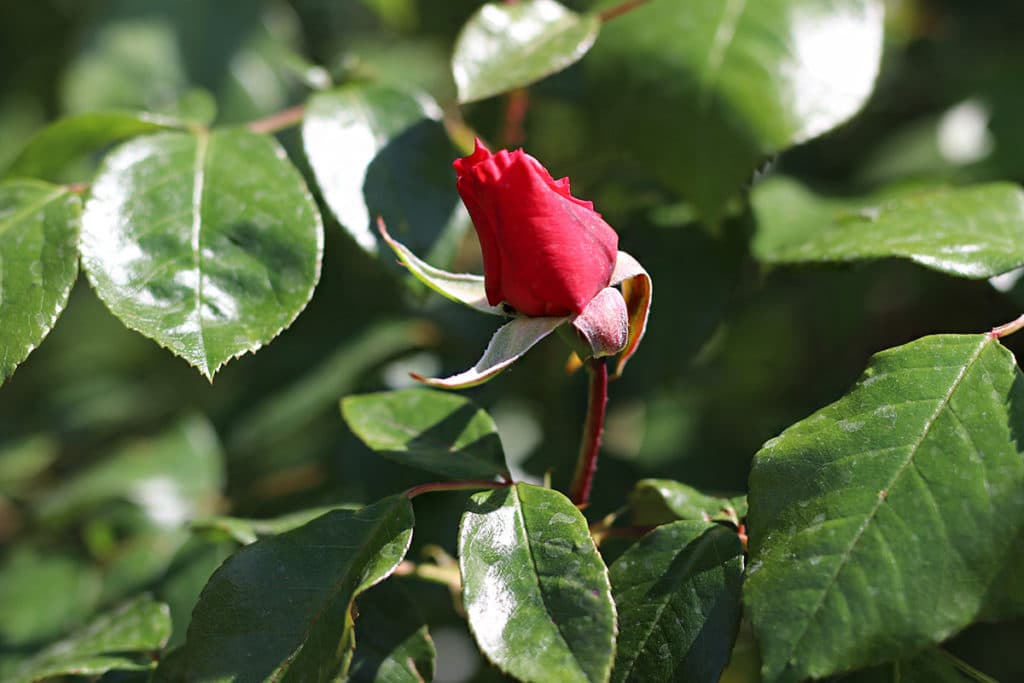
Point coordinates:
[[546, 253]]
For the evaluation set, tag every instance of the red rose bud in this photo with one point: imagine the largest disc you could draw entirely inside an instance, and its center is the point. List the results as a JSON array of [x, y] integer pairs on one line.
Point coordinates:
[[545, 252]]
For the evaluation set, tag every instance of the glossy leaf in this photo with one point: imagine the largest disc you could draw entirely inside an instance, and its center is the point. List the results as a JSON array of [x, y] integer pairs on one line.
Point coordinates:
[[38, 264], [658, 501], [900, 496], [393, 645], [704, 90], [432, 430], [511, 45], [379, 151], [173, 477], [280, 609], [535, 589], [677, 592], [121, 640], [974, 232], [209, 243], [508, 344], [54, 148]]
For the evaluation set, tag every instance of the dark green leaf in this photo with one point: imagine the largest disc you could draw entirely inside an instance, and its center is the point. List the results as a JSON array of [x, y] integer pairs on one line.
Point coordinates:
[[930, 666], [120, 640], [185, 577], [510, 45], [658, 501], [436, 431], [879, 524], [699, 92], [392, 643], [973, 232], [280, 609], [246, 531], [378, 151], [173, 477], [52, 149], [535, 589], [208, 243], [38, 264], [677, 592]]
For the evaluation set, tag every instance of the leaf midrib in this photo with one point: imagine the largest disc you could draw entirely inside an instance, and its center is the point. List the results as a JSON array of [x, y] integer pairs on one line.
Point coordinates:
[[27, 211], [198, 178], [943, 403]]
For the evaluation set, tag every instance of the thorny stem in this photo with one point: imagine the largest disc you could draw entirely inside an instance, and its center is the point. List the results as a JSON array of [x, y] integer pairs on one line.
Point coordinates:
[[285, 118], [619, 10], [1007, 329], [455, 486], [579, 492]]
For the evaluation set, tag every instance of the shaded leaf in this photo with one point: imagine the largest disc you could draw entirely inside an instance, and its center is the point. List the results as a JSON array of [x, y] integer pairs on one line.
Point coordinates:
[[120, 640], [432, 430], [50, 151], [511, 45], [209, 243], [974, 232], [379, 151], [658, 501], [38, 264], [677, 592], [392, 642], [245, 530], [901, 496], [535, 589], [280, 609], [930, 666], [704, 90]]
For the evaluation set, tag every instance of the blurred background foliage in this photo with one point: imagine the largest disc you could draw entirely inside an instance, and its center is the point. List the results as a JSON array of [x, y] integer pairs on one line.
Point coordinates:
[[110, 447]]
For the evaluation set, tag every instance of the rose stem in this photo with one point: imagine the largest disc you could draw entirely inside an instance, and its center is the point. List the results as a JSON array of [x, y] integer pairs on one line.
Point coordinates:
[[619, 10], [279, 121], [455, 486], [517, 102], [1007, 329], [579, 492]]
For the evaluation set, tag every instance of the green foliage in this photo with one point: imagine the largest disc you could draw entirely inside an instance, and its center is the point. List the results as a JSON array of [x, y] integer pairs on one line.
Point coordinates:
[[779, 167]]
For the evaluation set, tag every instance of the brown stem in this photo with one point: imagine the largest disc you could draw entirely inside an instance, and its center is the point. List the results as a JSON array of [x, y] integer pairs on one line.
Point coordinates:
[[1007, 329], [619, 10], [579, 492], [279, 121], [455, 486]]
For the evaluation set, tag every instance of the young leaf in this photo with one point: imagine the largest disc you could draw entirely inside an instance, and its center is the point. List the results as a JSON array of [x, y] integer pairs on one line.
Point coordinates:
[[52, 149], [394, 645], [507, 46], [379, 151], [703, 90], [535, 589], [38, 264], [120, 640], [507, 346], [432, 430], [658, 501], [879, 524], [209, 243], [280, 608], [973, 232], [677, 592]]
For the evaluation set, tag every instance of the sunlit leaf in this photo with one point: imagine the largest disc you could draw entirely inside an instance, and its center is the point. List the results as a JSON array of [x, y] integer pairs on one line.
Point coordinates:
[[899, 498], [658, 501], [208, 243], [535, 589]]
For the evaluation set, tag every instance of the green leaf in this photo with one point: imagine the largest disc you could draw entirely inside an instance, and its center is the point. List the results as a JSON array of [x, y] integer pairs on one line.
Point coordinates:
[[658, 501], [246, 531], [379, 151], [677, 592], [930, 666], [507, 46], [973, 232], [392, 642], [38, 264], [173, 477], [901, 496], [535, 589], [280, 609], [120, 640], [698, 93], [184, 578], [507, 346], [22, 460], [50, 151], [439, 432], [208, 243]]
